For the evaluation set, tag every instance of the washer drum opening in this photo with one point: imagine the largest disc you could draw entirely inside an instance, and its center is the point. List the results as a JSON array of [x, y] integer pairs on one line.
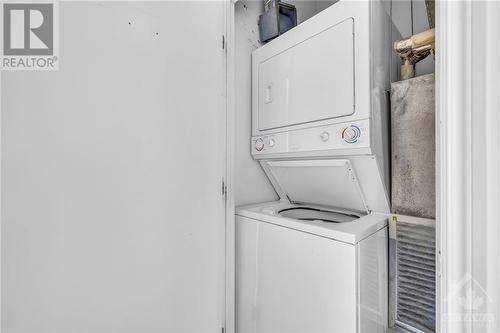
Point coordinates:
[[315, 214]]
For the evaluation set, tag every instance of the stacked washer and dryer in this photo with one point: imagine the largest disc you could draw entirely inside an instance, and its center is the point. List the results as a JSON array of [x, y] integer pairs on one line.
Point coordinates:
[[317, 259]]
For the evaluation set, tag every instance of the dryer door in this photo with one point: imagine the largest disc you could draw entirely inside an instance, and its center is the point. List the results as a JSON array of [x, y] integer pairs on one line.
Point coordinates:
[[310, 81]]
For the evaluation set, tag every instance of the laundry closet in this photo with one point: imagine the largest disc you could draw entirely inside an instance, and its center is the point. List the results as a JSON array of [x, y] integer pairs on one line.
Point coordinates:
[[201, 166], [316, 245]]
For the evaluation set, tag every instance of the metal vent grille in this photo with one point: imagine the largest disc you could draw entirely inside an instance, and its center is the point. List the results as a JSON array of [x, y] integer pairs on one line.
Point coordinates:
[[415, 276]]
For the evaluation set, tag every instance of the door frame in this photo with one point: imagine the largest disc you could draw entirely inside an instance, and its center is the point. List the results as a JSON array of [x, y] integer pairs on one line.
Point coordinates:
[[230, 303], [468, 161]]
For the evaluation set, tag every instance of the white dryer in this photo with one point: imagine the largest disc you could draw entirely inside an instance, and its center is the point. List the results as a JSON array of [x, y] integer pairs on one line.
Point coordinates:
[[321, 88]]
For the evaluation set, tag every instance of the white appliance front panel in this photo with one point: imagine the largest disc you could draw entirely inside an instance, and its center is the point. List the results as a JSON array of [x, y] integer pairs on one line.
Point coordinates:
[[373, 282], [291, 281], [346, 25], [311, 81], [336, 138]]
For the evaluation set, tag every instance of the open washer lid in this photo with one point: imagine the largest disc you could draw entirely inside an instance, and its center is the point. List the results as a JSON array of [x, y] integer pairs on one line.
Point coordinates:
[[331, 183]]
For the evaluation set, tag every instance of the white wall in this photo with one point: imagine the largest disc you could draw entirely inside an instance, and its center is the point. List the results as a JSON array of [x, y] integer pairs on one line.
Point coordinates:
[[251, 184], [323, 4], [112, 212], [308, 8]]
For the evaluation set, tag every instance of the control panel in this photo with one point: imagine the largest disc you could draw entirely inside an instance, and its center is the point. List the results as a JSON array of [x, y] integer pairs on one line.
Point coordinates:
[[337, 136]]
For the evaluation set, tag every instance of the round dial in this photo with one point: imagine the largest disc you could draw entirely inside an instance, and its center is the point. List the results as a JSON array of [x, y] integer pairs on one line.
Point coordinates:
[[351, 134], [325, 136], [271, 142], [259, 144]]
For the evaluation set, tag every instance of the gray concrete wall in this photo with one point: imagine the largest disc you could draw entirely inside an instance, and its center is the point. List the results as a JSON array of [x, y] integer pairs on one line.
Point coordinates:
[[413, 147]]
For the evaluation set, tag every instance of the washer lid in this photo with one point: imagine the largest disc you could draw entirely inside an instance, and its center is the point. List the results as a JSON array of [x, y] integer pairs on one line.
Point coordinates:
[[330, 183]]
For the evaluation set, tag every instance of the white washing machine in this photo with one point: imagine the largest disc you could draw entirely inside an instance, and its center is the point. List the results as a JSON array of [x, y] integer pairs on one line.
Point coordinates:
[[305, 266]]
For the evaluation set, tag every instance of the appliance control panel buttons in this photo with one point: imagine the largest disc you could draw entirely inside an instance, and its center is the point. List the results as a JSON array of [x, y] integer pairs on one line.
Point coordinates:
[[335, 139], [351, 134], [259, 144]]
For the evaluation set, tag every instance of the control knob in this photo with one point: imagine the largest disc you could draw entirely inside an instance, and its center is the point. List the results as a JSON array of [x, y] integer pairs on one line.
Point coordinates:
[[351, 134], [259, 144]]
